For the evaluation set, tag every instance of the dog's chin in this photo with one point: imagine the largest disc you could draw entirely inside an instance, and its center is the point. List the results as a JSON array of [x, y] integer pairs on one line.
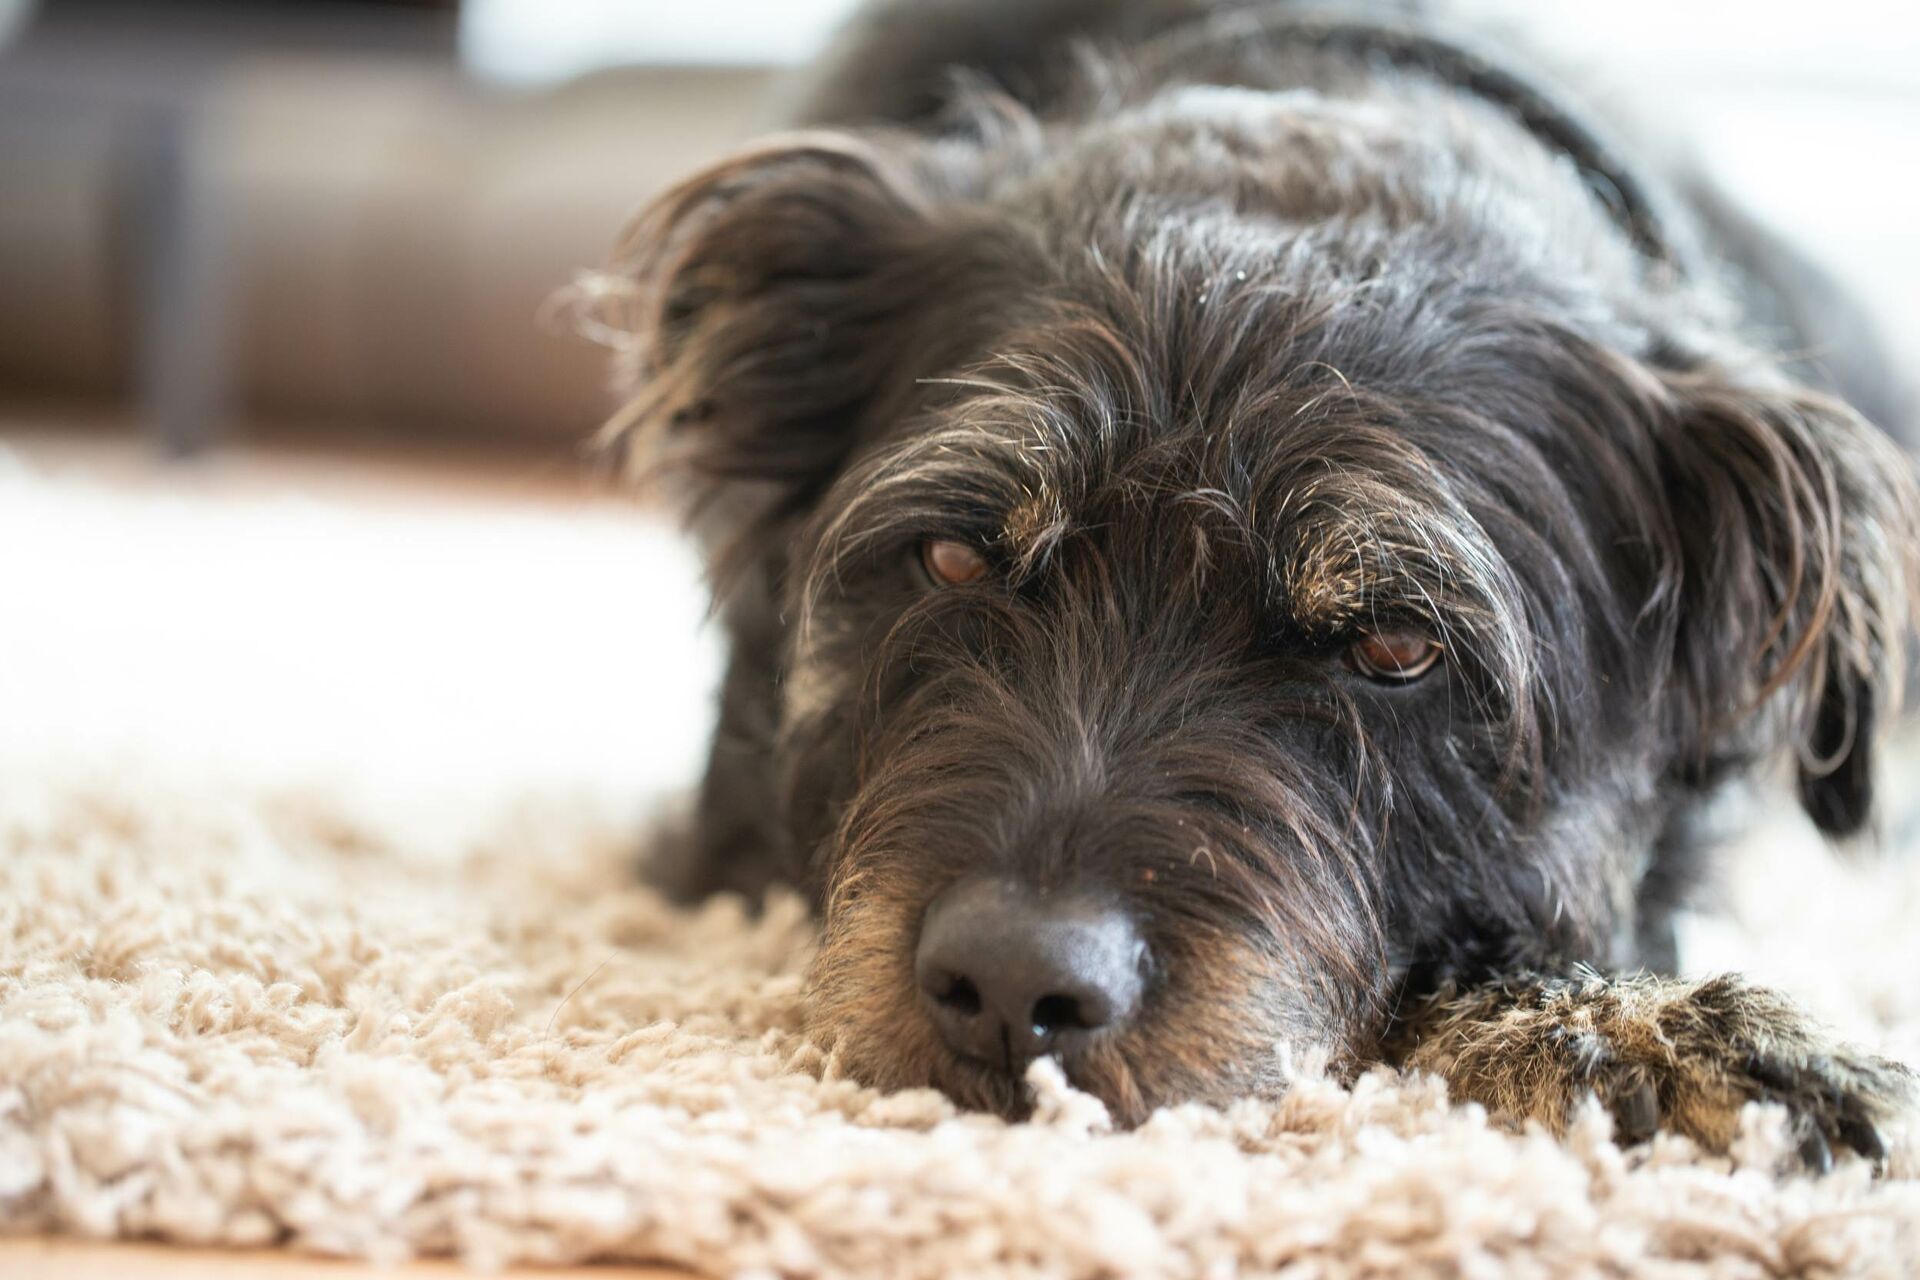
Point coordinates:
[[905, 1058], [909, 1056], [888, 1044], [977, 1086]]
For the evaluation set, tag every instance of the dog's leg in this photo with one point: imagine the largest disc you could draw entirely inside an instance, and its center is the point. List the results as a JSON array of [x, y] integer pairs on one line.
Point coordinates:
[[733, 842], [1660, 1053]]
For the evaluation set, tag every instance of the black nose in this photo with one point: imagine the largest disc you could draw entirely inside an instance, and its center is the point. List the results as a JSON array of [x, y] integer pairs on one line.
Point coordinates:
[[1009, 974]]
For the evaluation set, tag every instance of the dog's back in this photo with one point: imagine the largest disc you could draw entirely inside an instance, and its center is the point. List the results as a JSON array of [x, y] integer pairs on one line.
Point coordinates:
[[901, 62]]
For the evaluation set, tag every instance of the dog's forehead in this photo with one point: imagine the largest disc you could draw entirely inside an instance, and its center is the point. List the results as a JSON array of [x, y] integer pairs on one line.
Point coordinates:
[[1327, 518], [1204, 401]]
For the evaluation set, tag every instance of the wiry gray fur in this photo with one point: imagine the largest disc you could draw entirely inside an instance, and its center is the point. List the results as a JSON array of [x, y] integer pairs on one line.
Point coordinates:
[[1230, 335]]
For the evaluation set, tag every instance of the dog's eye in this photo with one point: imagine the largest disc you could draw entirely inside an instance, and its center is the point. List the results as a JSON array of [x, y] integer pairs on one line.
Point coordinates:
[[1393, 657], [951, 564]]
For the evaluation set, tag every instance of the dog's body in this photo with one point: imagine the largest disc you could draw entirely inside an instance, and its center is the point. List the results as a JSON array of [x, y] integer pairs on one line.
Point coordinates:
[[1244, 528]]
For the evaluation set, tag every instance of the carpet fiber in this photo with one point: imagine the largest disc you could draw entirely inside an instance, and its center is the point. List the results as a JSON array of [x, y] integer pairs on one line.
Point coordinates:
[[251, 1013], [258, 1018]]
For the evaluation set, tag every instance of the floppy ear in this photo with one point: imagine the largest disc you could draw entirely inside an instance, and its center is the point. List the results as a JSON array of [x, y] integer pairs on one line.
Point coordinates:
[[1798, 537], [750, 305], [770, 309]]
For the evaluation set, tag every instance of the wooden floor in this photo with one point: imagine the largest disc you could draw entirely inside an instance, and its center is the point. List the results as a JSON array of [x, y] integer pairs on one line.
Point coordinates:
[[55, 1259]]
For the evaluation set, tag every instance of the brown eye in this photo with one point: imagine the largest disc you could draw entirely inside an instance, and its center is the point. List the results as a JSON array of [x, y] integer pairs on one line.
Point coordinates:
[[1393, 657], [951, 564]]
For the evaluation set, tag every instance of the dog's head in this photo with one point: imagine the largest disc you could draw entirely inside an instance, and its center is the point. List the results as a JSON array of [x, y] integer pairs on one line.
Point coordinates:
[[1204, 598]]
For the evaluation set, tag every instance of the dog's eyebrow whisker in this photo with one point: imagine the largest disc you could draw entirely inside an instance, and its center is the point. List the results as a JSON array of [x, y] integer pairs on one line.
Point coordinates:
[[976, 384]]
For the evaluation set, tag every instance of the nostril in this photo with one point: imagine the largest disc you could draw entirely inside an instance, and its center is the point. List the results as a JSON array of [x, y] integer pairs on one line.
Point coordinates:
[[960, 996], [1052, 1014]]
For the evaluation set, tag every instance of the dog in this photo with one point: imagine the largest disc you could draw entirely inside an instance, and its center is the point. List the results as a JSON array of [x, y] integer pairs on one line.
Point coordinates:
[[1248, 531]]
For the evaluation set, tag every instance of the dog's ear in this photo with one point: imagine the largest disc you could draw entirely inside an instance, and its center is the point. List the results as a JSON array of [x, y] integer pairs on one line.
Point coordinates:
[[1797, 540], [769, 309]]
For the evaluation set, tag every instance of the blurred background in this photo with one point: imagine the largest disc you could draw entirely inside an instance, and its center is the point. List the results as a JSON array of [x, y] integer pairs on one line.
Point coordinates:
[[289, 464]]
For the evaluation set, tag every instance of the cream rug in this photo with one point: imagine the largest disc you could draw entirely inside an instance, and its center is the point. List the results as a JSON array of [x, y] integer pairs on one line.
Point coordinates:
[[377, 1021]]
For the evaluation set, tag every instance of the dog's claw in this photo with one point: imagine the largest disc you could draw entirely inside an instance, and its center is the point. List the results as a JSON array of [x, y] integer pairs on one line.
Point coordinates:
[[1636, 1113], [1816, 1156], [1861, 1134], [1838, 1099]]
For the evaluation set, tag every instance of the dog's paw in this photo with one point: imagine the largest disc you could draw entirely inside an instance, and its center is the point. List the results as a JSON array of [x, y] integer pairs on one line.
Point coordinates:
[[1836, 1098], [1684, 1057]]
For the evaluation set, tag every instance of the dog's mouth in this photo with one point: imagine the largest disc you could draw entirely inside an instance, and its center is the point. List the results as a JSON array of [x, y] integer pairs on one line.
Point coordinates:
[[992, 1087], [1102, 1068]]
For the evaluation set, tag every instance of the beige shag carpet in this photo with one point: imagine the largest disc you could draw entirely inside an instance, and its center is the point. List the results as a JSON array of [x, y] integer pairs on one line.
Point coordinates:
[[248, 1012], [241, 1019]]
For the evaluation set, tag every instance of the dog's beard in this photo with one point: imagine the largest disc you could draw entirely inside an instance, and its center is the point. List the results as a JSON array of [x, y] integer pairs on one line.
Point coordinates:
[[1241, 864]]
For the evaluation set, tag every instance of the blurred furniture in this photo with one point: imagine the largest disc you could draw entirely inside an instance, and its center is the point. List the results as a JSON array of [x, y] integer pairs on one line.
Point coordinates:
[[283, 211], [306, 213]]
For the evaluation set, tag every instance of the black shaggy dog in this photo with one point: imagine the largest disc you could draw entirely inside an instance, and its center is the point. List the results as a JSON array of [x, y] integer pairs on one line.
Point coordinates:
[[1246, 527]]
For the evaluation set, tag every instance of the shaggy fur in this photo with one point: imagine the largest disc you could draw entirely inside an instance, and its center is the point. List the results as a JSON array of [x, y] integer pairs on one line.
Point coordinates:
[[1684, 1056], [1229, 336]]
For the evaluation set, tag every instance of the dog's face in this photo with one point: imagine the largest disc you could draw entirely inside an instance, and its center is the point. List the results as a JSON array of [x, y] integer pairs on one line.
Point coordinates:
[[1191, 623]]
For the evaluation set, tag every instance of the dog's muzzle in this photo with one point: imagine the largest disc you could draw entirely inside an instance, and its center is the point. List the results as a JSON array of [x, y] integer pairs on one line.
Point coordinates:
[[1009, 973]]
